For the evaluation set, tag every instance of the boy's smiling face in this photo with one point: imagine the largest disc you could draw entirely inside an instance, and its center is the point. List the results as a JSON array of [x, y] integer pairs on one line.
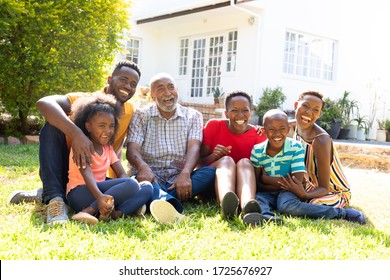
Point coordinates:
[[276, 129]]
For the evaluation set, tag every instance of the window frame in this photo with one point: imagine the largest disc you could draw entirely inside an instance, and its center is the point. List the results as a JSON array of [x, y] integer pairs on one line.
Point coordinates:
[[231, 53], [188, 65], [129, 55], [184, 49], [309, 56]]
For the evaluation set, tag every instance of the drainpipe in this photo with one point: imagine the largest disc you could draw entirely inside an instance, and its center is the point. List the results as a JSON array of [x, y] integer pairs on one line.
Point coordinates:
[[257, 53]]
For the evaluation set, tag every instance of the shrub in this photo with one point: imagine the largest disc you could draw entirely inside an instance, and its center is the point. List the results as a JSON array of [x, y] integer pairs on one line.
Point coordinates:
[[272, 98]]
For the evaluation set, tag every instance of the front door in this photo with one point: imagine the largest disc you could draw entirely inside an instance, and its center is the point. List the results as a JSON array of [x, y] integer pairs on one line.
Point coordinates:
[[206, 65]]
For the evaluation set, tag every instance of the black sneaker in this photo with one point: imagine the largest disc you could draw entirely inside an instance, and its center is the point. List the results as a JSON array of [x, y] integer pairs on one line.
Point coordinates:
[[253, 218], [273, 218], [252, 206], [18, 197], [229, 205], [353, 215]]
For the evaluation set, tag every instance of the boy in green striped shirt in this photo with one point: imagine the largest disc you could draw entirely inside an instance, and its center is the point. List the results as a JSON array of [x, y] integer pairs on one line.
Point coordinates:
[[274, 158]]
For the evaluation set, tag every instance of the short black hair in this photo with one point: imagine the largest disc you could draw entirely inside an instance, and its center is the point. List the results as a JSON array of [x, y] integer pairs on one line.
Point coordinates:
[[313, 93], [126, 63], [230, 95]]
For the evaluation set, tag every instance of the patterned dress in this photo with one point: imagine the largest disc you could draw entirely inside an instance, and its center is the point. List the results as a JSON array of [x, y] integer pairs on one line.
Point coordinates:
[[340, 193]]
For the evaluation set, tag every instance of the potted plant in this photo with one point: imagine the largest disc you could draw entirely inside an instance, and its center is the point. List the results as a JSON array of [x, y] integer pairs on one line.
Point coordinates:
[[349, 108], [218, 94], [387, 127], [362, 127], [272, 98], [381, 131], [331, 117]]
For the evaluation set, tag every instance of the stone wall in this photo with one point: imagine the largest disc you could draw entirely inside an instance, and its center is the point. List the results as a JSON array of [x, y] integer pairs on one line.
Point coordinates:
[[209, 111]]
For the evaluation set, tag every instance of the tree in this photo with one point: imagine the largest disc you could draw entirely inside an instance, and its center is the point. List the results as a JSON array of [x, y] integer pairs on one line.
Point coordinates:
[[53, 47]]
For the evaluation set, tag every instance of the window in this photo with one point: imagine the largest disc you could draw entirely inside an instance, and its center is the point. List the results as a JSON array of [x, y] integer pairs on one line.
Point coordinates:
[[231, 52], [198, 68], [309, 56], [183, 57], [133, 49], [206, 59], [214, 63]]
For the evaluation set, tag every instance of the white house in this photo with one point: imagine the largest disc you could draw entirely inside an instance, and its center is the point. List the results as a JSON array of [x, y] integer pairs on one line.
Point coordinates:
[[323, 45]]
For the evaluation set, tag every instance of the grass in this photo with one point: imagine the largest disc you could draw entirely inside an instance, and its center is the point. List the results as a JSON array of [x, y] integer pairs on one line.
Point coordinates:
[[25, 236]]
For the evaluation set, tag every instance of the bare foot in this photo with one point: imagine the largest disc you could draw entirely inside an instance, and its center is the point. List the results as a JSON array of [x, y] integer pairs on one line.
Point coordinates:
[[85, 218], [106, 216]]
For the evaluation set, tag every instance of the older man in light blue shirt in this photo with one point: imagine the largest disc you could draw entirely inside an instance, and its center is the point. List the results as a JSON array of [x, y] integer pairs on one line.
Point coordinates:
[[163, 146]]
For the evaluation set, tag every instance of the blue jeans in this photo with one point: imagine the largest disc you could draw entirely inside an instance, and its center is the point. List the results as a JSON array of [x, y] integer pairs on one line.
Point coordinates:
[[53, 162], [289, 204], [202, 180], [127, 194], [268, 201]]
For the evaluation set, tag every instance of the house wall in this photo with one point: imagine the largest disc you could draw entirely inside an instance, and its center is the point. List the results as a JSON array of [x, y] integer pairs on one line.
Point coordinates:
[[260, 45], [362, 50], [312, 19], [353, 24], [160, 48]]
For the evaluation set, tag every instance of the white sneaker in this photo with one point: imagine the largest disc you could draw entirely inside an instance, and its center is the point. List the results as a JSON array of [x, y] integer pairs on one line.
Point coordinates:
[[57, 212], [165, 213]]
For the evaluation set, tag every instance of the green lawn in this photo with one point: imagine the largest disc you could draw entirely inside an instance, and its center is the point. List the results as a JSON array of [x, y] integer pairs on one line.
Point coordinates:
[[25, 236]]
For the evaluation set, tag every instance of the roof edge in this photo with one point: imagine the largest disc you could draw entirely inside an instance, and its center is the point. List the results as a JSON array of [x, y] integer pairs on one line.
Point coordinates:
[[189, 11]]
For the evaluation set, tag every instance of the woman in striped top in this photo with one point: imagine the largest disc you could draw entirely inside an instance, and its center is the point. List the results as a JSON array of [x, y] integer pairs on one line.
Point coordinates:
[[326, 191]]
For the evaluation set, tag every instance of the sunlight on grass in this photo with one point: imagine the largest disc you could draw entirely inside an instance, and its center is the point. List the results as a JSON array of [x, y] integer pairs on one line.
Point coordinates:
[[204, 236]]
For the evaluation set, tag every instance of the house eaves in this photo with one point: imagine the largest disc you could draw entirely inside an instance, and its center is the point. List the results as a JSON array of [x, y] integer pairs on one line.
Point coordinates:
[[189, 11]]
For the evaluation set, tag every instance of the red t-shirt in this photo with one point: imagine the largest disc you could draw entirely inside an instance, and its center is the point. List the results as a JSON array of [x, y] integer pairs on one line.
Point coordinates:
[[216, 132]]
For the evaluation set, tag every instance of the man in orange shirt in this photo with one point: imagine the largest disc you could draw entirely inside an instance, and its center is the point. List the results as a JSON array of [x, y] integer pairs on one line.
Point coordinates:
[[59, 131]]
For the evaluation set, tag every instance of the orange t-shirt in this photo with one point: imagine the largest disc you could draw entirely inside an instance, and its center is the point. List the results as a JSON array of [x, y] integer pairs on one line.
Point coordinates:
[[124, 122], [99, 166]]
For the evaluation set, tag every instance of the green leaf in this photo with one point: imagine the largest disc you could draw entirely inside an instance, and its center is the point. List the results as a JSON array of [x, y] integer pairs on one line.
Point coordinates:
[[55, 47]]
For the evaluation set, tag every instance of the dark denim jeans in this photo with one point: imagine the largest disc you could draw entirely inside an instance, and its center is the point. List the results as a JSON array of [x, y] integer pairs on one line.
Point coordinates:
[[202, 181], [53, 162], [268, 201], [289, 204], [127, 194]]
